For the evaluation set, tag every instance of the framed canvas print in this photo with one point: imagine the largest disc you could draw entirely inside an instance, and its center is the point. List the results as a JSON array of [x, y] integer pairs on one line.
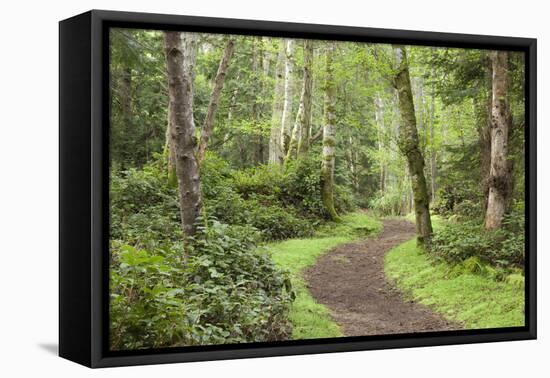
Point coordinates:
[[234, 188]]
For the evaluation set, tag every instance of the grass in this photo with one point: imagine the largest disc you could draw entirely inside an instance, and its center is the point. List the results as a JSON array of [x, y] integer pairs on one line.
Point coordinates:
[[311, 319], [475, 300]]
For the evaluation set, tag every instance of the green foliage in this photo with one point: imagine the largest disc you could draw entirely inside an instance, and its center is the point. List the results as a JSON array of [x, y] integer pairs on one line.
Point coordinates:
[[476, 300], [469, 242], [224, 291], [279, 203], [144, 208]]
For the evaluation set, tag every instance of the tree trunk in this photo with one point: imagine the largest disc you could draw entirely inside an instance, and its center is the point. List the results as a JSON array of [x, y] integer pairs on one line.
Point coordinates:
[[500, 173], [219, 81], [180, 64], [329, 136], [292, 152], [275, 150], [409, 146], [257, 62], [483, 113], [299, 138], [170, 155], [379, 118], [433, 152], [287, 102], [307, 99]]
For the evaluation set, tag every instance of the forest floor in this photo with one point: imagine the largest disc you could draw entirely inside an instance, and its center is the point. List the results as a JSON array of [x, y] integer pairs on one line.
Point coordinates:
[[350, 281]]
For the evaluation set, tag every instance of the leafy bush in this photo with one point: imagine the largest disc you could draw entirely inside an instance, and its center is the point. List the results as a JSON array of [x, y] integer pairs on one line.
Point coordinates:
[[224, 291], [457, 242], [458, 200], [144, 209], [302, 189], [264, 180], [277, 222], [279, 203]]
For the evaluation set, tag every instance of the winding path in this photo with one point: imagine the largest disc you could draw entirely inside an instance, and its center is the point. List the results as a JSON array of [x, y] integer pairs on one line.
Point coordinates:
[[350, 281]]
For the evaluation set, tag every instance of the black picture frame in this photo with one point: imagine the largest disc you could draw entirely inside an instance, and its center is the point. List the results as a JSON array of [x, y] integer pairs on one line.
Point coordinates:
[[83, 181]]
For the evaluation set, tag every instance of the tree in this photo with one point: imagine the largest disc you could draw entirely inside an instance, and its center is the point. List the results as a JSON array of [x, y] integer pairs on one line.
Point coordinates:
[[180, 52], [329, 136], [501, 121], [275, 150], [409, 145], [288, 93], [299, 139], [214, 98]]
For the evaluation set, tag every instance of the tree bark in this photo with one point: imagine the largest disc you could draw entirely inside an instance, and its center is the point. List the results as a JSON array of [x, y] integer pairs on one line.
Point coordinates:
[[500, 174], [170, 155], [409, 146], [275, 150], [219, 81], [329, 136], [180, 64]]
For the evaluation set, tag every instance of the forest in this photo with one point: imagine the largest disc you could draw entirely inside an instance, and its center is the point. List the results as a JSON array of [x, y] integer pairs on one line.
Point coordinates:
[[268, 189]]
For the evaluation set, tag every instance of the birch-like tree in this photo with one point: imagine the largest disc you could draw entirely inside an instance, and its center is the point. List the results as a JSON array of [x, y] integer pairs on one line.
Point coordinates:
[[299, 138], [329, 135], [286, 120], [275, 150]]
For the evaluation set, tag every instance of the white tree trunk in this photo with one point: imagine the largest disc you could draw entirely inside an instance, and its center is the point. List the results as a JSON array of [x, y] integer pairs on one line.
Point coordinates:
[[286, 120], [275, 150]]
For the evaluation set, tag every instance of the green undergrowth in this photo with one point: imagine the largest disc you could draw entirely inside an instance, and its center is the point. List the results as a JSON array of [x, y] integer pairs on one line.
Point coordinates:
[[310, 319], [472, 297]]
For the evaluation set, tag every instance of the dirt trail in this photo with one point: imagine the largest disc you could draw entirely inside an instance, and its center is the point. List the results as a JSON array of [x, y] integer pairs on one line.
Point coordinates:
[[350, 281]]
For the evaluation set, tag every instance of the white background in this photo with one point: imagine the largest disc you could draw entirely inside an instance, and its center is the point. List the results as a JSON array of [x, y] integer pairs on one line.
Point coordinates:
[[29, 187]]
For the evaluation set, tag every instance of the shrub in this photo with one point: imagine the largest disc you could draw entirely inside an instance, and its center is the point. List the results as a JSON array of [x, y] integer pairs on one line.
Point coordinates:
[[302, 189], [459, 200], [277, 222], [225, 291], [265, 180], [457, 242], [144, 209]]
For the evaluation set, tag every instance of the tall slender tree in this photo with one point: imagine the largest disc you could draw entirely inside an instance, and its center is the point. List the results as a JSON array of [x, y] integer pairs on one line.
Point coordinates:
[[286, 120], [409, 145], [329, 136], [500, 177], [299, 139], [219, 81], [275, 150]]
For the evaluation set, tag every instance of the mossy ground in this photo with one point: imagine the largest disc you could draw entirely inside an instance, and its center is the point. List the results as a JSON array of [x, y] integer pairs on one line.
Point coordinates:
[[474, 300]]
